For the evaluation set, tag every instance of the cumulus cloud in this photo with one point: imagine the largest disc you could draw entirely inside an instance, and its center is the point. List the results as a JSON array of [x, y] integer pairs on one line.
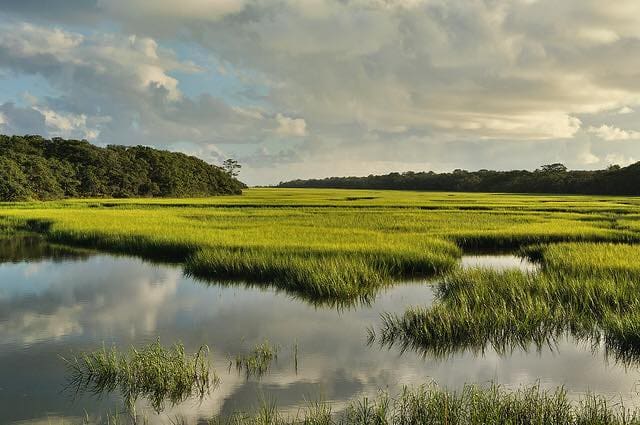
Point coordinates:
[[610, 133], [474, 68], [296, 127], [358, 76], [625, 110], [117, 88]]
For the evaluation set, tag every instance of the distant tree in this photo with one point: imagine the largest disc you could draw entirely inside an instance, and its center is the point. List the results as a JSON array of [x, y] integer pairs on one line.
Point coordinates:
[[231, 167], [552, 178], [553, 168], [34, 168], [613, 167]]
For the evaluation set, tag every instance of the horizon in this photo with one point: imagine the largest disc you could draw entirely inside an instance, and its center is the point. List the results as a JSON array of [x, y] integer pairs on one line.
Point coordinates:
[[315, 89]]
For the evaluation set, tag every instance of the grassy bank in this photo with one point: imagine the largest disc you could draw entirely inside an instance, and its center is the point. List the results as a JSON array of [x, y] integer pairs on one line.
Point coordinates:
[[326, 244]]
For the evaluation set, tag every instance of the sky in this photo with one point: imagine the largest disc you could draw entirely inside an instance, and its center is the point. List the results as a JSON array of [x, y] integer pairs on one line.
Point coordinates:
[[317, 88]]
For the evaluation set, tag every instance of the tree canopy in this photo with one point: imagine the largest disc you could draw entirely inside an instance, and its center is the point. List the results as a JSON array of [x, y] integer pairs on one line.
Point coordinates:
[[552, 178], [34, 168]]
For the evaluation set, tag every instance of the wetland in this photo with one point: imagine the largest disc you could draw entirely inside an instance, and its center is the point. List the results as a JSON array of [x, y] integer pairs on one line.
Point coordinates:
[[404, 297]]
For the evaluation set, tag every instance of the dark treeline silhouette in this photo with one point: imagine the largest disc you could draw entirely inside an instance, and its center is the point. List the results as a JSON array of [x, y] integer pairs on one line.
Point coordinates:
[[34, 168], [553, 178]]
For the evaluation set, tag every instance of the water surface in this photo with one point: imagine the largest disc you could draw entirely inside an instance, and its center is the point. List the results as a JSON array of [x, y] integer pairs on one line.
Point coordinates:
[[58, 302]]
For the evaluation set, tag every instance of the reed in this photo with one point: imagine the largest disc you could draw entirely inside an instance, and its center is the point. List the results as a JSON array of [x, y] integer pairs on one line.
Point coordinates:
[[472, 405], [153, 372], [477, 309], [258, 361]]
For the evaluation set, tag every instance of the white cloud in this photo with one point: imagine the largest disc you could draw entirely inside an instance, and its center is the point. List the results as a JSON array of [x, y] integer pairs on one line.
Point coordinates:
[[132, 59], [619, 159], [587, 158], [610, 133], [369, 76], [598, 35], [625, 110], [296, 127], [28, 40], [118, 89]]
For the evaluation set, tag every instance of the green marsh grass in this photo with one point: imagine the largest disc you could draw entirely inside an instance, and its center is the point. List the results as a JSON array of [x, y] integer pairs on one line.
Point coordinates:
[[326, 244], [472, 405], [153, 372], [506, 310], [258, 361], [606, 260]]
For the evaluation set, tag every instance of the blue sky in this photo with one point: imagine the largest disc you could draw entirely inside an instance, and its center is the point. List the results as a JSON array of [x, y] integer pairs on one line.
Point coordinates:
[[314, 88]]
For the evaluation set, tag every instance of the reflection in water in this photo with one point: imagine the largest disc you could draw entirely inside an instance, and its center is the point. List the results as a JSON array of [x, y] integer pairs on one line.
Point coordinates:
[[52, 307], [35, 248], [498, 262]]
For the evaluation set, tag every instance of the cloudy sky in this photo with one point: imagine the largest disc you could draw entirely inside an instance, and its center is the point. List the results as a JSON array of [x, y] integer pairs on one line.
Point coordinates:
[[312, 88]]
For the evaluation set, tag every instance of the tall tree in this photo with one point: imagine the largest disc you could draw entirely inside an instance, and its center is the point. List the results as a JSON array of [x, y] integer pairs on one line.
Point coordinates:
[[231, 167]]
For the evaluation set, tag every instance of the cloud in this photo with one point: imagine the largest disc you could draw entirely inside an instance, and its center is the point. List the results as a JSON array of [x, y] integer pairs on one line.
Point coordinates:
[[340, 73], [21, 120], [169, 10], [625, 110], [296, 127], [610, 133], [118, 89], [71, 58], [619, 159], [474, 69]]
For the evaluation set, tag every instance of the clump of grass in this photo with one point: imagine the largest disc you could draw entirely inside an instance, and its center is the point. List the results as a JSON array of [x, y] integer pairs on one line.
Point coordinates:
[[473, 405], [154, 372], [258, 361], [316, 276], [505, 310]]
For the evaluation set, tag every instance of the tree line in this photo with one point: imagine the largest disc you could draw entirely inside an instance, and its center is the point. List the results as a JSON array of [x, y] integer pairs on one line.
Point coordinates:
[[552, 178], [35, 168]]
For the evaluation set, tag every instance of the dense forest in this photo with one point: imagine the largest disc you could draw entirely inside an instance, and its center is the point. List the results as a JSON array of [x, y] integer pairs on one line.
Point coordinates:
[[553, 178], [34, 168]]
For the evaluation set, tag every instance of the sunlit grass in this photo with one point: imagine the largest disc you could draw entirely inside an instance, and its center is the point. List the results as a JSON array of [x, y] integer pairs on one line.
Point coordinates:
[[593, 260], [326, 244], [505, 310]]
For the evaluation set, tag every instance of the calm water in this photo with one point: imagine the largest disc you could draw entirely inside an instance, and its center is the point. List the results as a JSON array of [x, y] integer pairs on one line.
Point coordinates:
[[54, 302]]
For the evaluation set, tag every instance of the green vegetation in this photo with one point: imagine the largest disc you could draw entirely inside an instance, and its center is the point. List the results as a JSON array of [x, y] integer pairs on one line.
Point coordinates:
[[258, 361], [552, 178], [325, 246], [343, 246], [584, 289], [153, 372], [592, 260], [33, 168], [473, 405]]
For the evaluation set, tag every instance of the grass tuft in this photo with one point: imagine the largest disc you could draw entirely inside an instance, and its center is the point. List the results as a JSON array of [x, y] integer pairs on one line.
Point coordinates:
[[156, 373]]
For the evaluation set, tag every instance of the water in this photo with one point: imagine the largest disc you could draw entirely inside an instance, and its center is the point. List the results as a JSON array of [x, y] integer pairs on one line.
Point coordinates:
[[56, 302], [498, 262]]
